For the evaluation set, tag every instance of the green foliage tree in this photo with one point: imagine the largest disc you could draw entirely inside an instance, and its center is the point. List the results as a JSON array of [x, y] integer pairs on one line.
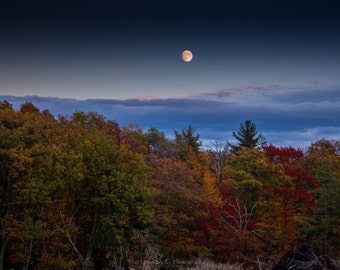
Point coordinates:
[[248, 178], [73, 192], [117, 197], [159, 144], [247, 136], [38, 170], [323, 159]]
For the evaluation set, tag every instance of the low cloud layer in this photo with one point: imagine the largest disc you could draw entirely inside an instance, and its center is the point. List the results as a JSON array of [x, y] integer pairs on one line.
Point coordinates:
[[286, 123]]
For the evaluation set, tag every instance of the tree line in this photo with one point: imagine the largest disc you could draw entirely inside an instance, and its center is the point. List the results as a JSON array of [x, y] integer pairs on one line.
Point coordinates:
[[82, 192]]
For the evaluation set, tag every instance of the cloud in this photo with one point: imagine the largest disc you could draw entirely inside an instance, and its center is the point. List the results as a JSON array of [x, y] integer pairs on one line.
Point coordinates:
[[305, 136], [281, 91], [282, 123], [236, 90], [148, 97]]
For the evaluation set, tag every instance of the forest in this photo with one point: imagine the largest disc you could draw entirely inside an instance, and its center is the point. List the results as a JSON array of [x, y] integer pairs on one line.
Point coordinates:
[[83, 192]]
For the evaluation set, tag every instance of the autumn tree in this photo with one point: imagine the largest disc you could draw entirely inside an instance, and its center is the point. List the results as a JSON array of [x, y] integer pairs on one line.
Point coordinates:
[[268, 199], [116, 197], [38, 168], [294, 200], [159, 144], [218, 155], [177, 205], [187, 142], [81, 192], [323, 160], [180, 175], [248, 176], [247, 136], [134, 139], [74, 191]]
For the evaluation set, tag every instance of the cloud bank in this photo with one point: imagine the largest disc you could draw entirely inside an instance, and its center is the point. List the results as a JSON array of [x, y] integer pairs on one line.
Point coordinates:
[[296, 119]]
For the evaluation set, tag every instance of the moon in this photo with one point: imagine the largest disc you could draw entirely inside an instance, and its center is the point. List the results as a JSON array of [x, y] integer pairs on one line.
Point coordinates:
[[187, 56]]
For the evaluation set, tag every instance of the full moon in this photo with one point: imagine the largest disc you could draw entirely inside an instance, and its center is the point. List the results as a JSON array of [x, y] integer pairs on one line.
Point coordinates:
[[187, 56]]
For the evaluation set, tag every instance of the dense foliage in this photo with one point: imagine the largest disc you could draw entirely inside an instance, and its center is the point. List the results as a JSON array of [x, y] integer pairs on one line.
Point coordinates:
[[81, 192]]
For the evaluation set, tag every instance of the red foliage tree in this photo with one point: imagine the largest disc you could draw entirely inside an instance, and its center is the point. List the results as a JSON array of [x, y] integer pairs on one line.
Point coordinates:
[[294, 201]]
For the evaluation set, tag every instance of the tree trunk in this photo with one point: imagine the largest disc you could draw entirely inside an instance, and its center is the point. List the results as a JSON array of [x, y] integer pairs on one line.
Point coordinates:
[[29, 255], [4, 243]]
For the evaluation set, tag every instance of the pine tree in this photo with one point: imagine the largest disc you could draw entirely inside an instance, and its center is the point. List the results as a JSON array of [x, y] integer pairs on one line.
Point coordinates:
[[187, 142], [247, 136]]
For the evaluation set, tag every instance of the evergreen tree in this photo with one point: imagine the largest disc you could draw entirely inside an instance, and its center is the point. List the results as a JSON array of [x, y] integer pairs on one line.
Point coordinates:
[[187, 142], [247, 136]]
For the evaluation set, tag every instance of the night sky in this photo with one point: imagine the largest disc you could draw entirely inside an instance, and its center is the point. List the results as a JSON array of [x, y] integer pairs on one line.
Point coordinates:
[[274, 62]]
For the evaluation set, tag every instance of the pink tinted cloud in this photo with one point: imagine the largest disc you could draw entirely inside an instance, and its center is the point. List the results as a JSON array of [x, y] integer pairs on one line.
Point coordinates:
[[249, 88], [149, 97], [227, 92], [315, 82]]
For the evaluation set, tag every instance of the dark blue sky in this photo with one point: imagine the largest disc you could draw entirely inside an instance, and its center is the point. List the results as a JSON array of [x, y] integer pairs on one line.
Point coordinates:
[[118, 50], [274, 62]]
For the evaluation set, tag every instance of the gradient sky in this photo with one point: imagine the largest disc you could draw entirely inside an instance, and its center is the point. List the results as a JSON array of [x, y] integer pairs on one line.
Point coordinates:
[[274, 62]]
